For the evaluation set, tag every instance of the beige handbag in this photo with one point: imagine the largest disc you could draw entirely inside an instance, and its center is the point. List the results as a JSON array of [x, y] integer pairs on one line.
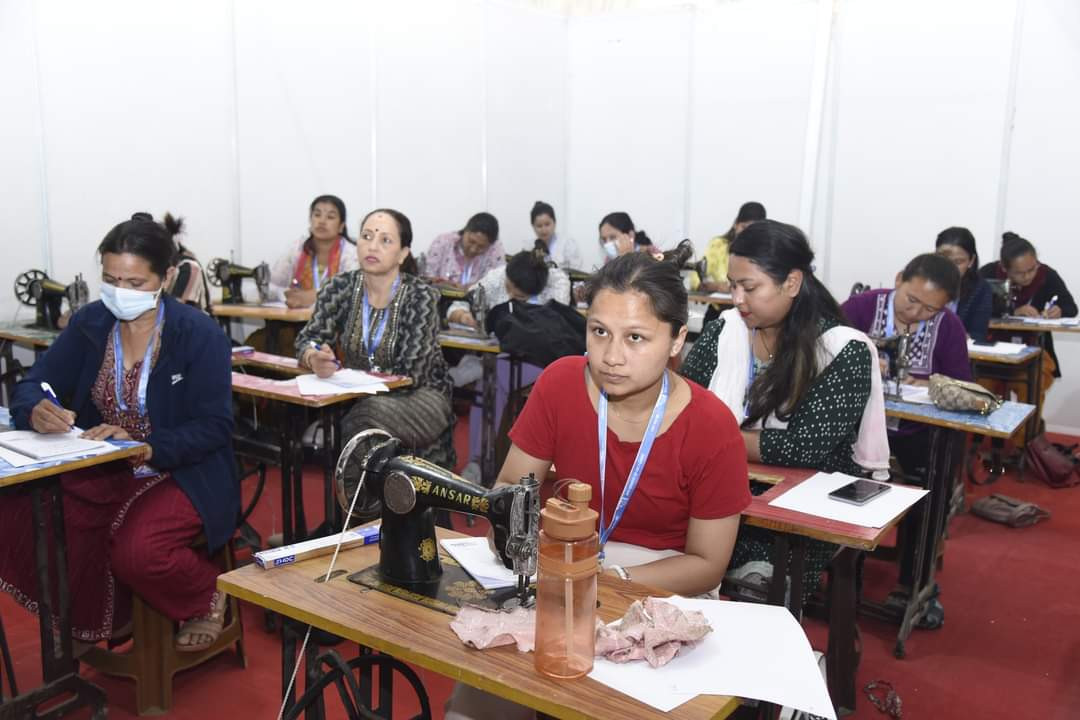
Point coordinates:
[[950, 394]]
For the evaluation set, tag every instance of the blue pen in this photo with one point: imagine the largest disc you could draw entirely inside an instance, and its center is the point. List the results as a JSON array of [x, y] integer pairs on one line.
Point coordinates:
[[315, 346], [47, 389], [1050, 304]]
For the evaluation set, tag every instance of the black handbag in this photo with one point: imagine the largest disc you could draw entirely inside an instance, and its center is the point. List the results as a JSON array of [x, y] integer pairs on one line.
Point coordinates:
[[540, 334]]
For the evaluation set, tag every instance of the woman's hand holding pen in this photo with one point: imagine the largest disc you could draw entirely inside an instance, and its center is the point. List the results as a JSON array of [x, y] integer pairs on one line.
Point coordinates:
[[321, 360], [48, 417]]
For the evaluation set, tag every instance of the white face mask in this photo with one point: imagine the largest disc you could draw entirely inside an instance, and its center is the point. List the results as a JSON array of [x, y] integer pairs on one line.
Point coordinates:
[[611, 249], [127, 304]]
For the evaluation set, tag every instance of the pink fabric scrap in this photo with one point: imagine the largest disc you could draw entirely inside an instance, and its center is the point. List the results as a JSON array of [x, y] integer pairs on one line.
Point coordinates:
[[652, 630], [481, 628]]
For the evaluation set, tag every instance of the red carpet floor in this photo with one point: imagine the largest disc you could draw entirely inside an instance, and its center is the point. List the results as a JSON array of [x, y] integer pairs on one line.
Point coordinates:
[[1009, 649]]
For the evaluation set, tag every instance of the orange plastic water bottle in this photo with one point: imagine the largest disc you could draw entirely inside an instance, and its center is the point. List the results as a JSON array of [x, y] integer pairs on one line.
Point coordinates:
[[566, 585]]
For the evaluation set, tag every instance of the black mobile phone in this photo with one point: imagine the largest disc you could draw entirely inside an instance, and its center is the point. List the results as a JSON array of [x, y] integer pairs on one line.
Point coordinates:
[[983, 343], [859, 492]]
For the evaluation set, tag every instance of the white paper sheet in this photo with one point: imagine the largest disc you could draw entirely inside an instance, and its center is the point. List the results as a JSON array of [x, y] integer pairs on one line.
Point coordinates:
[[1067, 322], [998, 348], [755, 651], [40, 447], [720, 295], [812, 496], [916, 394], [343, 381], [476, 557]]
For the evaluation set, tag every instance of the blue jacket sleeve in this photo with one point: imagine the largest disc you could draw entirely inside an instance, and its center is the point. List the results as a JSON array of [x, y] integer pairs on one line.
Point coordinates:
[[55, 367], [978, 325], [207, 405]]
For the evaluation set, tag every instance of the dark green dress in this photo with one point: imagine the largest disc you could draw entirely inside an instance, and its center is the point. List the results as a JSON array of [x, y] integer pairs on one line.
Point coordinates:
[[821, 434]]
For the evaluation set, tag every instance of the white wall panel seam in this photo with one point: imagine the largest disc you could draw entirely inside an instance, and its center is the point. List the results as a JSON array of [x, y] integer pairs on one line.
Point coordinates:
[[234, 131], [830, 122], [484, 104], [374, 65], [688, 155], [43, 172], [1010, 124], [815, 118]]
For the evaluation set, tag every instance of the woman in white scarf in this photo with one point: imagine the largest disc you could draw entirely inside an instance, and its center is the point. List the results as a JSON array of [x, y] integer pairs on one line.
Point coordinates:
[[803, 386]]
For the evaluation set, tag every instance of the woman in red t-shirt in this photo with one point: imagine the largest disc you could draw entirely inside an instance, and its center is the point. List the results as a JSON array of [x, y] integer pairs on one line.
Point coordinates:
[[680, 521]]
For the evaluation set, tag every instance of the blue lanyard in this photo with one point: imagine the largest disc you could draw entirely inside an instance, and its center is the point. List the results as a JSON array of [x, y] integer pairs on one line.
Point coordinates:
[[466, 272], [651, 431], [890, 318], [144, 371], [315, 265], [370, 344]]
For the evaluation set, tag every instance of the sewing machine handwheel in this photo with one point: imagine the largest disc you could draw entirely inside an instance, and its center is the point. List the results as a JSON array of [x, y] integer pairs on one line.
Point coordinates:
[[23, 286], [212, 271], [350, 472]]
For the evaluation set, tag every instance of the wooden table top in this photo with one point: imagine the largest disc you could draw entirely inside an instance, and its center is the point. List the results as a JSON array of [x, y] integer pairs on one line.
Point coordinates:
[[16, 476], [267, 361], [1013, 324], [22, 334], [286, 391], [416, 634], [1023, 357], [261, 312], [474, 343], [1002, 423], [762, 514]]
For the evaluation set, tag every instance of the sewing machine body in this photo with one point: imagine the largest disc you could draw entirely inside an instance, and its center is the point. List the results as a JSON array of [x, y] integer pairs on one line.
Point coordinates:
[[897, 349], [230, 278], [46, 296], [411, 489]]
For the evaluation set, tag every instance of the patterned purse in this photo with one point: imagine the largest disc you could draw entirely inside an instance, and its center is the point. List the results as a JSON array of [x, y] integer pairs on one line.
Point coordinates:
[[950, 394]]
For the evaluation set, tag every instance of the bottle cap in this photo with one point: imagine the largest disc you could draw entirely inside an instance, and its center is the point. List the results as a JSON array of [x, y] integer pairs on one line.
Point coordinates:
[[571, 519]]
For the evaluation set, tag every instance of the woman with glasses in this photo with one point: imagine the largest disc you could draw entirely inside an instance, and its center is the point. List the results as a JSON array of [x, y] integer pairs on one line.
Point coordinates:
[[1035, 290], [916, 306]]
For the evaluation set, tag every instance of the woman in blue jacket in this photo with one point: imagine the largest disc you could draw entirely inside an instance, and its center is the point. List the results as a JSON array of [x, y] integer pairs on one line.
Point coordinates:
[[136, 365]]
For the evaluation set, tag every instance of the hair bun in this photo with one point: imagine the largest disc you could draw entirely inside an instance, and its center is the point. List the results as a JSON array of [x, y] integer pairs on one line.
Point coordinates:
[[142, 217]]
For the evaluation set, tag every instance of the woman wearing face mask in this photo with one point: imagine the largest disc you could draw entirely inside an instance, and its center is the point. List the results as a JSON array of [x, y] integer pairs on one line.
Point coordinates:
[[526, 278], [618, 236], [803, 386], [975, 300], [1037, 290], [299, 274], [622, 422], [918, 305], [463, 257], [135, 365], [561, 251], [383, 318]]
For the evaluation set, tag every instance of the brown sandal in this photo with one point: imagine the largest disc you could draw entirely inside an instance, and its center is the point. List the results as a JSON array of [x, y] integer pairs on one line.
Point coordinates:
[[205, 626]]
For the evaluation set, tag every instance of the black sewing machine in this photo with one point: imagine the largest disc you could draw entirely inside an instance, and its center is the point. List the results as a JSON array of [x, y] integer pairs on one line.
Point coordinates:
[[409, 490], [897, 350], [46, 296], [1002, 302], [230, 278]]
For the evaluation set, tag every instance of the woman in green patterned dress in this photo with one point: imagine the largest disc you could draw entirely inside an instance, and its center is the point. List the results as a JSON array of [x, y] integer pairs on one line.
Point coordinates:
[[803, 386]]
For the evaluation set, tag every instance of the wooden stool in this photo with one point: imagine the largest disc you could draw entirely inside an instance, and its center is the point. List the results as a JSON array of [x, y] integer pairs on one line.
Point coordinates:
[[152, 658]]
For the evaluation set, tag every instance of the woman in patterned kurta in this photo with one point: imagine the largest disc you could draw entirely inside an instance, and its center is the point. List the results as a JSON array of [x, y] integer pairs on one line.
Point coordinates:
[[803, 397], [401, 337]]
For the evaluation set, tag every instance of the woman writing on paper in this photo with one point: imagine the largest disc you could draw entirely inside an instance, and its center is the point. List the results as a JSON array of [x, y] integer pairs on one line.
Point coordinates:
[[311, 262], [803, 386], [383, 318], [664, 457], [135, 365], [462, 257], [1036, 290]]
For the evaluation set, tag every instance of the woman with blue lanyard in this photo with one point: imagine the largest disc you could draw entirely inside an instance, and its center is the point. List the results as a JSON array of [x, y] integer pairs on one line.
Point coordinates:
[[383, 318], [918, 306], [298, 275], [464, 256], [135, 365], [664, 457]]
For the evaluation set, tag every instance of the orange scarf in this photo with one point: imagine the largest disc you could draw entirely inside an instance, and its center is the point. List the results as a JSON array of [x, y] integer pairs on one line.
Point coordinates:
[[307, 264]]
